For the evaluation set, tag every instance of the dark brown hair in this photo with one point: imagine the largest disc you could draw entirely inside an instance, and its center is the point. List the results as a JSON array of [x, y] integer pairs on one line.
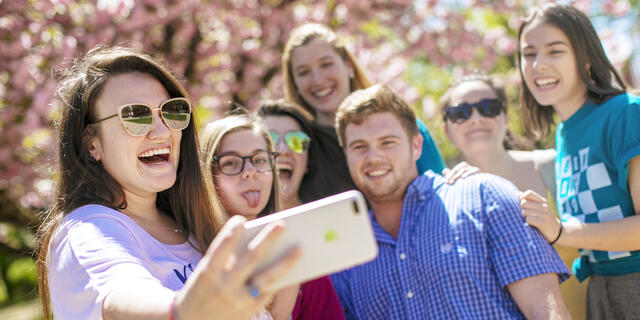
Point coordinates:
[[601, 79], [282, 108], [375, 99], [82, 180], [511, 141]]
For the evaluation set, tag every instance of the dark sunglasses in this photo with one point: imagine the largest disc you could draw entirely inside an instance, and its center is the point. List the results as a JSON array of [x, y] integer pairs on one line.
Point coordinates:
[[137, 118], [296, 141], [486, 107], [233, 164]]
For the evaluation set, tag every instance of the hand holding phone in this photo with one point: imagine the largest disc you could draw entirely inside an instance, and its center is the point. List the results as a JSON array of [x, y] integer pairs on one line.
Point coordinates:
[[333, 233]]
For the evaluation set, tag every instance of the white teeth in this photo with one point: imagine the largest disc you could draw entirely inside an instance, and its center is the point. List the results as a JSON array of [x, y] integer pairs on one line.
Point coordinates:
[[284, 166], [323, 93], [154, 152], [377, 173], [546, 81]]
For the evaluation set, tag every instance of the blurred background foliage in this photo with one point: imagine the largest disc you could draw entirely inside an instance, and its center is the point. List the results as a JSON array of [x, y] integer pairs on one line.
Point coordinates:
[[229, 51]]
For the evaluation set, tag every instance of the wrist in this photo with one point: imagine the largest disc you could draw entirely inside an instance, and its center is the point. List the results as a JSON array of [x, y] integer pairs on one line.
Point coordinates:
[[173, 313], [558, 236]]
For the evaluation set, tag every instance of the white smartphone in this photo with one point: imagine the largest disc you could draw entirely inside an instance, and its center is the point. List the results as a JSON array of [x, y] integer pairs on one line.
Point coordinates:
[[334, 234]]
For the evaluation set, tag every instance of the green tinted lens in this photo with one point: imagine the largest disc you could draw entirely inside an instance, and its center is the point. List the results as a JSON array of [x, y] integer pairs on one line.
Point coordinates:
[[176, 113], [136, 119], [274, 137], [297, 141]]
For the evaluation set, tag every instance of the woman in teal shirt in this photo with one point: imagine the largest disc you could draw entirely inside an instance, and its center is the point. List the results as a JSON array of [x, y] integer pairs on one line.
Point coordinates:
[[564, 70]]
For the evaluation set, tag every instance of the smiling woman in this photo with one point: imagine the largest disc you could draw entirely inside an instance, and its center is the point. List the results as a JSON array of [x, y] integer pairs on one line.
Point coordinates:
[[133, 220], [565, 70], [319, 72]]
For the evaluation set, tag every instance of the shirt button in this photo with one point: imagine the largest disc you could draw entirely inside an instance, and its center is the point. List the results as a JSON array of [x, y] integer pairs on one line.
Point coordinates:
[[410, 295], [403, 256], [421, 197]]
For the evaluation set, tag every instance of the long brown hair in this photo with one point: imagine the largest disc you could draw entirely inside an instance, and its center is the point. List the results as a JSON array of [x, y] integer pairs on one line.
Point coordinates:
[[602, 79], [301, 36], [511, 141], [210, 141], [82, 180]]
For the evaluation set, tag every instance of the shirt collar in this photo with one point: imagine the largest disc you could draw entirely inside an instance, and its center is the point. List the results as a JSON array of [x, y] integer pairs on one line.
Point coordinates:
[[420, 189]]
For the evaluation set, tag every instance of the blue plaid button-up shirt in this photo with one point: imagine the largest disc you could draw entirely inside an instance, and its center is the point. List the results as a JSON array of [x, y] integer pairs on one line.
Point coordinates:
[[457, 249]]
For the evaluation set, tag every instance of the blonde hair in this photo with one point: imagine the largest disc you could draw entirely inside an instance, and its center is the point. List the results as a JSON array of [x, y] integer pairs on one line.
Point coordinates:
[[210, 141], [301, 36], [378, 98]]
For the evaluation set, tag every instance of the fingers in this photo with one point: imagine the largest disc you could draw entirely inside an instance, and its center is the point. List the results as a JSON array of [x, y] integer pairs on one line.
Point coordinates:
[[531, 205], [250, 255], [531, 196], [224, 244], [461, 170], [267, 277]]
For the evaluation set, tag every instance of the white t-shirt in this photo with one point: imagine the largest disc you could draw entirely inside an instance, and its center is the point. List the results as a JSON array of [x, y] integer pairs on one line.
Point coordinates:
[[97, 249]]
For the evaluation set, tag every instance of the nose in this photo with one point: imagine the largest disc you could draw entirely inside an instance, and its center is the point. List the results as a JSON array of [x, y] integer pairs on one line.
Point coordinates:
[[159, 129], [373, 154], [281, 146], [475, 115], [316, 75], [539, 62], [249, 170]]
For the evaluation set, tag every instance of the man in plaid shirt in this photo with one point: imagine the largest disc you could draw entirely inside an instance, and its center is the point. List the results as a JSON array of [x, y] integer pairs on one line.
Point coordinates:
[[460, 251]]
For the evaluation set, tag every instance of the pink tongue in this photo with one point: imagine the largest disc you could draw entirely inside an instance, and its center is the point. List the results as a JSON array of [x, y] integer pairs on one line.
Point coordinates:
[[252, 197]]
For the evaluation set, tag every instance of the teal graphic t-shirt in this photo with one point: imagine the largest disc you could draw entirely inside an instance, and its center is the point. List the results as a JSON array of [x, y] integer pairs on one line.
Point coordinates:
[[594, 148]]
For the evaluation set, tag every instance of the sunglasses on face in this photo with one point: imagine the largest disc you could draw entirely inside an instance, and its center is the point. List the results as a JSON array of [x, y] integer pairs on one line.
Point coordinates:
[[137, 118], [296, 141], [489, 108], [233, 164]]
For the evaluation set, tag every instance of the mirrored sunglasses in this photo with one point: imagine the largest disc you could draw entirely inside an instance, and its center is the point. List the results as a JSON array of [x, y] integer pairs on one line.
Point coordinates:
[[137, 118], [489, 108], [296, 141], [233, 164]]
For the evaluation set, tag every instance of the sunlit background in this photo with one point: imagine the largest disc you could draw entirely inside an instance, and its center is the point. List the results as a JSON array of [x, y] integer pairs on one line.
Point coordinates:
[[229, 51]]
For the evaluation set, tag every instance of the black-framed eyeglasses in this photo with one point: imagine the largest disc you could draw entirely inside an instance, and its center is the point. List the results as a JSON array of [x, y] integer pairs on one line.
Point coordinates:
[[489, 108], [233, 164], [137, 118]]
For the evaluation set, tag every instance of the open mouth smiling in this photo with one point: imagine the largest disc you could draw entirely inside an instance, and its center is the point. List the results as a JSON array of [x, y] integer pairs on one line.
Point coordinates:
[[546, 82], [155, 156]]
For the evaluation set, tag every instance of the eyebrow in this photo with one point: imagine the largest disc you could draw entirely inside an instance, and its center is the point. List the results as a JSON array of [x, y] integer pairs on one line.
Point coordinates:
[[321, 58], [393, 136], [557, 42], [235, 153]]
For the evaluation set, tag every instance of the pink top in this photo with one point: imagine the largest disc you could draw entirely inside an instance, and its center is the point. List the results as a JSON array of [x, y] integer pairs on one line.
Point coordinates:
[[317, 299]]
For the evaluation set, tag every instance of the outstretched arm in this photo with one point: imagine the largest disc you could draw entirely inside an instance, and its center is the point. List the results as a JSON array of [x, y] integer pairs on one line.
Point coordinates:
[[618, 235], [217, 289], [539, 297]]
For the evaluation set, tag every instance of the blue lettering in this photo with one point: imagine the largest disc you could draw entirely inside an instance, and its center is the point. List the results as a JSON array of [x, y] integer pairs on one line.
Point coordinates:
[[183, 276]]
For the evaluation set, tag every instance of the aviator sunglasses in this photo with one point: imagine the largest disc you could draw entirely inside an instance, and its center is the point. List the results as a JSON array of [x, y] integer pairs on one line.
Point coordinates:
[[137, 118], [296, 141], [489, 108]]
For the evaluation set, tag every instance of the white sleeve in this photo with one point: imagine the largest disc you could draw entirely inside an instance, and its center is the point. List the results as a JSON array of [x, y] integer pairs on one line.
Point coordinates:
[[88, 260]]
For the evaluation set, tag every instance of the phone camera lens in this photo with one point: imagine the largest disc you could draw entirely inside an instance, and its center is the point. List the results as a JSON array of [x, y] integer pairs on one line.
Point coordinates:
[[356, 209]]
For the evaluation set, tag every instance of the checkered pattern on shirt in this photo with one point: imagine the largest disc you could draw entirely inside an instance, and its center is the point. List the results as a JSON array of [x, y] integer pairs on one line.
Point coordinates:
[[593, 149], [458, 247]]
